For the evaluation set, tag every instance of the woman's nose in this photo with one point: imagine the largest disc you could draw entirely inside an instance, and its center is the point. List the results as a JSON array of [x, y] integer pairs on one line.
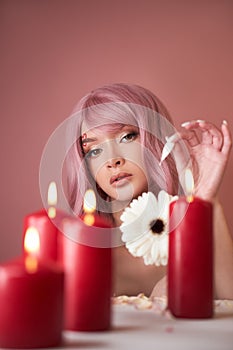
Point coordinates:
[[115, 162]]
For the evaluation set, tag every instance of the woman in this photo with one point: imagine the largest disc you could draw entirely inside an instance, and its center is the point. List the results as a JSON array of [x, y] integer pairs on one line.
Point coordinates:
[[121, 130]]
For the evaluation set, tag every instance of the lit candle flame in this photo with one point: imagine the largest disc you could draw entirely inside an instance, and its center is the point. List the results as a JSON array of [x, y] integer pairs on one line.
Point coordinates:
[[31, 246], [189, 184], [32, 240], [89, 207], [52, 199]]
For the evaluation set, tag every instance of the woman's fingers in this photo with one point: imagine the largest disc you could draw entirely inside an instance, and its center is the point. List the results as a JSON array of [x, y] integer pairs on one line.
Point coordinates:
[[189, 134], [209, 133], [227, 138]]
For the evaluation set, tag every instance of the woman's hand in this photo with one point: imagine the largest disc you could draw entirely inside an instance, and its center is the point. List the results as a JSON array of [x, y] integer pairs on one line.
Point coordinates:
[[206, 149], [209, 148]]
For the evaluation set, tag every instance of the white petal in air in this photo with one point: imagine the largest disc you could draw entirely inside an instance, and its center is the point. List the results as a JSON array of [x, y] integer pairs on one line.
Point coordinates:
[[168, 147]]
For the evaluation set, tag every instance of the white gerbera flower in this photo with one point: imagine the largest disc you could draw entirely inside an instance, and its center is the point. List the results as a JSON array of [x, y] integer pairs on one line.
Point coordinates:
[[145, 227]]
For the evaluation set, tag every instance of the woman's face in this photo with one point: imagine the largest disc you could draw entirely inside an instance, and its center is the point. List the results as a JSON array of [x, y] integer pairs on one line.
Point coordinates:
[[114, 159]]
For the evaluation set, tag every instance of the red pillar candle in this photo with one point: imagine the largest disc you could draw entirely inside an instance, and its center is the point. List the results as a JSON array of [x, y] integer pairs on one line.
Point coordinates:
[[31, 304], [48, 233], [190, 263], [88, 270]]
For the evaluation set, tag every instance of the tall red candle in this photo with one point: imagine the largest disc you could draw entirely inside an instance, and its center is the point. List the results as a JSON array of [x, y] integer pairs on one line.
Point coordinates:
[[31, 304], [190, 263], [88, 271], [45, 223], [48, 234]]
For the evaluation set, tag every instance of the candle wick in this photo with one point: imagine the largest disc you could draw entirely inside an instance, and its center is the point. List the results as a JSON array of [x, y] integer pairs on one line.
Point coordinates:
[[189, 198], [89, 219], [52, 212]]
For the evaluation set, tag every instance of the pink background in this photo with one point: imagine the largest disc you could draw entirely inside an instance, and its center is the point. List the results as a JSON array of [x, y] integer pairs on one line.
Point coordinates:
[[54, 52]]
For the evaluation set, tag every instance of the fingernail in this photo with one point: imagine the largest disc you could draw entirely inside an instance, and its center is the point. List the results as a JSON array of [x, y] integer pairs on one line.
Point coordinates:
[[225, 122], [200, 121], [185, 123]]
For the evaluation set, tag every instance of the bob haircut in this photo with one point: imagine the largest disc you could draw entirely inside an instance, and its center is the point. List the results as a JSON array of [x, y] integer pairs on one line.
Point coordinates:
[[108, 108]]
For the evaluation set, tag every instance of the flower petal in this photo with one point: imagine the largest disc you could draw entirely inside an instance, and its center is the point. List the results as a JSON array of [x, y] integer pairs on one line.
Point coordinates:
[[163, 204], [167, 149], [148, 259], [136, 227], [137, 217], [164, 249], [155, 250], [144, 248], [133, 230], [134, 245]]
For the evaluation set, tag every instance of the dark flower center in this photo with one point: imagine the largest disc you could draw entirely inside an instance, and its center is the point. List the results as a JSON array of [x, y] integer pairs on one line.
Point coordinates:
[[157, 226]]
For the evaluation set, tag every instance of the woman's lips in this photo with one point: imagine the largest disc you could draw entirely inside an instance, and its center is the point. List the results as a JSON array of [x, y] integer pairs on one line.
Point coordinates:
[[116, 179]]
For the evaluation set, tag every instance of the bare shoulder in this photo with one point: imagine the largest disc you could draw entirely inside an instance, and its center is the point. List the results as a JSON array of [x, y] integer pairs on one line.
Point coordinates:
[[160, 289], [132, 276]]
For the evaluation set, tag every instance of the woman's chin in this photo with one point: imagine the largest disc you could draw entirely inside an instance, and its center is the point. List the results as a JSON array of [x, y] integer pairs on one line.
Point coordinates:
[[124, 193]]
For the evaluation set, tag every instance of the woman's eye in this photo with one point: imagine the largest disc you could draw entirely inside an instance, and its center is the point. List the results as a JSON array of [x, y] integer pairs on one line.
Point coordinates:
[[129, 137], [94, 153]]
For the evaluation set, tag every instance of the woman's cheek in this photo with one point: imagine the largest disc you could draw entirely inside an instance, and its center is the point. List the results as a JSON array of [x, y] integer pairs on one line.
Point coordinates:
[[95, 166]]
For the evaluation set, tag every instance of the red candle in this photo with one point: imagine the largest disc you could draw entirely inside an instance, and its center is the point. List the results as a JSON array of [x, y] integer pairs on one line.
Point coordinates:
[[48, 234], [88, 281], [31, 304], [190, 263], [43, 221]]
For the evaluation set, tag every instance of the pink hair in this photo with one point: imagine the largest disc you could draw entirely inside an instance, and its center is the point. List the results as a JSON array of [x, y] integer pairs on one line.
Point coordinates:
[[115, 105]]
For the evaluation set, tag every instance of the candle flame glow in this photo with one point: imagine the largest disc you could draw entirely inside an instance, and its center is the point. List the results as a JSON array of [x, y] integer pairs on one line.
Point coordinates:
[[31, 264], [52, 199], [189, 184], [32, 241], [89, 219], [89, 205], [52, 193]]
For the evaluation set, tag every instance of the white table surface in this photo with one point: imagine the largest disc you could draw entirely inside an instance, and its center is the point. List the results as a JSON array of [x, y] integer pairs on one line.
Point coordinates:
[[156, 329]]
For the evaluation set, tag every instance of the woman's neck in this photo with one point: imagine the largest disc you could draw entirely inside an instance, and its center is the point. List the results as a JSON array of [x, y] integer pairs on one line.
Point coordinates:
[[117, 210], [116, 218]]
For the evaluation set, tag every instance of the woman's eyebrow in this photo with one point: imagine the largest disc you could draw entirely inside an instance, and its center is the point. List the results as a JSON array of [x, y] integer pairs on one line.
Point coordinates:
[[87, 140]]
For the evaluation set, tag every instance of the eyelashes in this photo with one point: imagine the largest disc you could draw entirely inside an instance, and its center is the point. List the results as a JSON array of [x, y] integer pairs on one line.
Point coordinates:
[[93, 153], [127, 138]]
